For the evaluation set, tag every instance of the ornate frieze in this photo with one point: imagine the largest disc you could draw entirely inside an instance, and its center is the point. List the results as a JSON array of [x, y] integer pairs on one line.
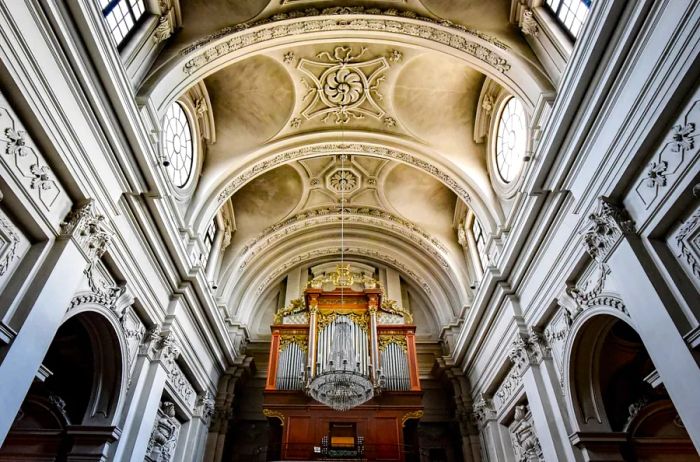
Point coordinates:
[[526, 445], [606, 226], [508, 388], [341, 87], [327, 215], [312, 20], [347, 251], [89, 229], [163, 441], [350, 148]]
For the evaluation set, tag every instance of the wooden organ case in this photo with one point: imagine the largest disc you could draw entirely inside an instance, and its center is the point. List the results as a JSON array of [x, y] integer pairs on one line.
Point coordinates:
[[304, 341]]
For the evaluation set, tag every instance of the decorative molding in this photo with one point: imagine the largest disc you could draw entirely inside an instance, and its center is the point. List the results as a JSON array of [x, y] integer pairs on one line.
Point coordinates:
[[163, 348], [396, 339], [607, 225], [21, 157], [312, 20], [270, 414], [670, 158], [166, 429], [205, 407], [89, 229], [412, 415], [9, 242], [483, 410], [526, 445], [343, 181], [164, 29], [342, 87], [366, 215], [348, 148], [508, 388], [298, 259], [688, 242], [529, 350], [528, 23]]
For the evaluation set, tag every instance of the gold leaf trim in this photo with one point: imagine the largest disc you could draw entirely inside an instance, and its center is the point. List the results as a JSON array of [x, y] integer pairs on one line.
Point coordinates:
[[415, 415], [270, 414]]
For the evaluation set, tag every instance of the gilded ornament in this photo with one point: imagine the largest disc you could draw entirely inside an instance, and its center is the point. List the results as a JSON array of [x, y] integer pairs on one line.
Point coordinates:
[[396, 339], [270, 414], [413, 415], [295, 306]]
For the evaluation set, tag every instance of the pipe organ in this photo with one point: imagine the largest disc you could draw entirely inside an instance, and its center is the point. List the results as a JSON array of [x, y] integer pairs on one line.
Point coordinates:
[[342, 347]]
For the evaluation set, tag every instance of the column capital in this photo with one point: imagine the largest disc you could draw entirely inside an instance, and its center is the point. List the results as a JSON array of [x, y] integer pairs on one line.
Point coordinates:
[[606, 226], [89, 229], [529, 350], [205, 407], [483, 410]]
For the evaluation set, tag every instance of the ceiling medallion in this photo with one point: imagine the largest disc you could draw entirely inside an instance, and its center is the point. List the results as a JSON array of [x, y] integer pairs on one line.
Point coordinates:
[[341, 88], [343, 180]]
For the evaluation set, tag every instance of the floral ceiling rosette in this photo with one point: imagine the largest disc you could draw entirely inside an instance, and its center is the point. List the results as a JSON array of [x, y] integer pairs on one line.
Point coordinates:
[[342, 87]]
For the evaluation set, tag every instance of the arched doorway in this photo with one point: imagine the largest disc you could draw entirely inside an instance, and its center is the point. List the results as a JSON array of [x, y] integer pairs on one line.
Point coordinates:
[[620, 406], [70, 407]]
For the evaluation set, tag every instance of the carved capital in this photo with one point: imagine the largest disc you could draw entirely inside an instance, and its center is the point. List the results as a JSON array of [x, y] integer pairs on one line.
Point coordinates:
[[205, 407], [606, 226], [528, 23], [530, 350], [161, 347], [89, 229], [164, 29], [483, 410]]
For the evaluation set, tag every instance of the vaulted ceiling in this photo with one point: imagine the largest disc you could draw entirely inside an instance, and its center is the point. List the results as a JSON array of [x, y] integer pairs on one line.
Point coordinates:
[[380, 104]]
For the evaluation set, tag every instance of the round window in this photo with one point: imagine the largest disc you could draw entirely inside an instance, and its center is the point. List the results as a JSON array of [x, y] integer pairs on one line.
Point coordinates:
[[178, 150], [511, 140]]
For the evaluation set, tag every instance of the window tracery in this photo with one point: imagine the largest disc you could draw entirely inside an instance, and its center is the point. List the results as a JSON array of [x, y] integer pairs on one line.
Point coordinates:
[[178, 147], [511, 140], [122, 16]]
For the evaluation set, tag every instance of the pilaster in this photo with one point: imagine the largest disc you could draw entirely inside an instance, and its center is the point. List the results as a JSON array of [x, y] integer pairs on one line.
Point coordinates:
[[84, 238]]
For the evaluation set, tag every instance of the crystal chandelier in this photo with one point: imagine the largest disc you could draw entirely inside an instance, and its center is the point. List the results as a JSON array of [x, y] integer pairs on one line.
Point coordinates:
[[341, 384]]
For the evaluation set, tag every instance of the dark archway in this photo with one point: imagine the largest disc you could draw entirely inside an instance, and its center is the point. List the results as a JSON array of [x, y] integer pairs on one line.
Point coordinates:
[[619, 401], [72, 402]]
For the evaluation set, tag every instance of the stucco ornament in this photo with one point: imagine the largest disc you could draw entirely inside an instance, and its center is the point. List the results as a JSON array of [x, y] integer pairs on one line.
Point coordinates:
[[340, 87]]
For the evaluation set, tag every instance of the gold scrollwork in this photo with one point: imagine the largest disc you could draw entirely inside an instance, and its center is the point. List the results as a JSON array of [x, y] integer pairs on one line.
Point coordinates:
[[411, 415], [385, 340], [270, 414], [301, 340], [361, 319], [392, 306], [296, 306]]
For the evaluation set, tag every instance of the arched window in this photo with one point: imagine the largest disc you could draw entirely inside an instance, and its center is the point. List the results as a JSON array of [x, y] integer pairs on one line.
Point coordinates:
[[480, 242], [178, 148], [570, 13], [122, 16], [511, 140]]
